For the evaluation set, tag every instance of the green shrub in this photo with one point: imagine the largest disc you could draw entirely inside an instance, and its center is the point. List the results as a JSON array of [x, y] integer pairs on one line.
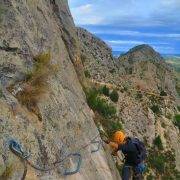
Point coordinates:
[[115, 126], [91, 96], [112, 71], [157, 162], [114, 96], [150, 177], [105, 90], [178, 88], [163, 93], [1, 93], [158, 142], [2, 12], [168, 116], [98, 104], [87, 74], [155, 109], [178, 107], [36, 85], [177, 120], [104, 108]]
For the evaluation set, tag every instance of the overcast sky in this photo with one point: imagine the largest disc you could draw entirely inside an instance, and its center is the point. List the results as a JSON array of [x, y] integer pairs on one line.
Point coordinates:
[[126, 23]]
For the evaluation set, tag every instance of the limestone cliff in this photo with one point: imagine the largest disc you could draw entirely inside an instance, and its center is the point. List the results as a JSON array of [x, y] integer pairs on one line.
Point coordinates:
[[42, 104], [147, 101]]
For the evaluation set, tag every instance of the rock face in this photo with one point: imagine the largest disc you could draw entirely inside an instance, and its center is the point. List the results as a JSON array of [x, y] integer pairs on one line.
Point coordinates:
[[147, 95], [147, 65], [96, 56], [28, 29], [44, 59]]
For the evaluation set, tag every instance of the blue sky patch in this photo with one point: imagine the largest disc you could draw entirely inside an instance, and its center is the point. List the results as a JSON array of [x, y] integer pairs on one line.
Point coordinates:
[[124, 24]]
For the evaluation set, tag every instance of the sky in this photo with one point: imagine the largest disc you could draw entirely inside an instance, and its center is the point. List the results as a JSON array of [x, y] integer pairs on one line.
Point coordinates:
[[123, 24]]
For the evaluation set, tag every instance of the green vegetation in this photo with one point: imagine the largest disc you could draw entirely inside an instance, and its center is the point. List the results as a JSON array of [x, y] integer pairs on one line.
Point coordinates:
[[83, 58], [157, 162], [177, 120], [158, 142], [87, 74], [178, 89], [175, 62], [169, 115], [178, 107], [150, 177], [113, 126], [1, 93], [163, 93], [2, 12], [114, 96], [35, 84], [105, 90], [98, 104], [163, 162], [155, 109]]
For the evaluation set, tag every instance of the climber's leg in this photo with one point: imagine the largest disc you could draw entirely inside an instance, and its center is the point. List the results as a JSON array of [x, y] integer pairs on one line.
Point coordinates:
[[126, 172]]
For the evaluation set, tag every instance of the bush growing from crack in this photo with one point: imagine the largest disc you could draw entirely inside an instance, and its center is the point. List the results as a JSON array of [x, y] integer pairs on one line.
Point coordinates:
[[1, 93], [163, 93], [105, 90], [35, 84], [98, 104], [158, 163], [158, 142], [87, 74], [177, 120], [155, 109], [114, 96]]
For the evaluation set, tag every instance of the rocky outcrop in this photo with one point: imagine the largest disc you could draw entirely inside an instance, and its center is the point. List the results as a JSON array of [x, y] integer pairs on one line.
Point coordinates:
[[97, 56], [144, 63], [60, 122], [146, 88]]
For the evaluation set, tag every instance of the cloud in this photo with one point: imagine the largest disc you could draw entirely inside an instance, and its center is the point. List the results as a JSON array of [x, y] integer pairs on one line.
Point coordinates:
[[138, 33], [126, 23], [84, 15], [84, 9], [127, 12], [121, 42]]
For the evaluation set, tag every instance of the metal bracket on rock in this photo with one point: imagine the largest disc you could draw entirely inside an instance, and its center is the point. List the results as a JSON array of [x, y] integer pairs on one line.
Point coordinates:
[[78, 164], [98, 142]]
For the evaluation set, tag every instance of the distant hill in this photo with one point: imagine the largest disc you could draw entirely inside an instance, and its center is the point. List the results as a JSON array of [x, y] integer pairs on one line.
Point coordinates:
[[174, 60]]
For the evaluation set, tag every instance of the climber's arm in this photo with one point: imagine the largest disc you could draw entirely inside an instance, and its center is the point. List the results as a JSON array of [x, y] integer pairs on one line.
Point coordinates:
[[114, 147]]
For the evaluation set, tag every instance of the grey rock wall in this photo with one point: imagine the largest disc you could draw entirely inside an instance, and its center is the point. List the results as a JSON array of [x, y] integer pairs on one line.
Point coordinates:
[[29, 28]]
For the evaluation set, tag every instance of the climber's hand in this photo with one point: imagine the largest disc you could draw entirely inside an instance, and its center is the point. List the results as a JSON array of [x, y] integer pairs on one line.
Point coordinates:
[[106, 141], [114, 153]]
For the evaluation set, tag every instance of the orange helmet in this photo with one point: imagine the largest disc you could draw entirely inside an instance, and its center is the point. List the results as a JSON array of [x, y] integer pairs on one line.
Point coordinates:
[[119, 137]]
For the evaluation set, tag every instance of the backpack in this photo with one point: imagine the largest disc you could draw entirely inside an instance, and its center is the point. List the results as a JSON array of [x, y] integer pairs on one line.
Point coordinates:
[[142, 152]]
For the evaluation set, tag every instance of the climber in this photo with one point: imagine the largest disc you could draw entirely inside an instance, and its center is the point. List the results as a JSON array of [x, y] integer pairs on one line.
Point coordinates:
[[134, 152]]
